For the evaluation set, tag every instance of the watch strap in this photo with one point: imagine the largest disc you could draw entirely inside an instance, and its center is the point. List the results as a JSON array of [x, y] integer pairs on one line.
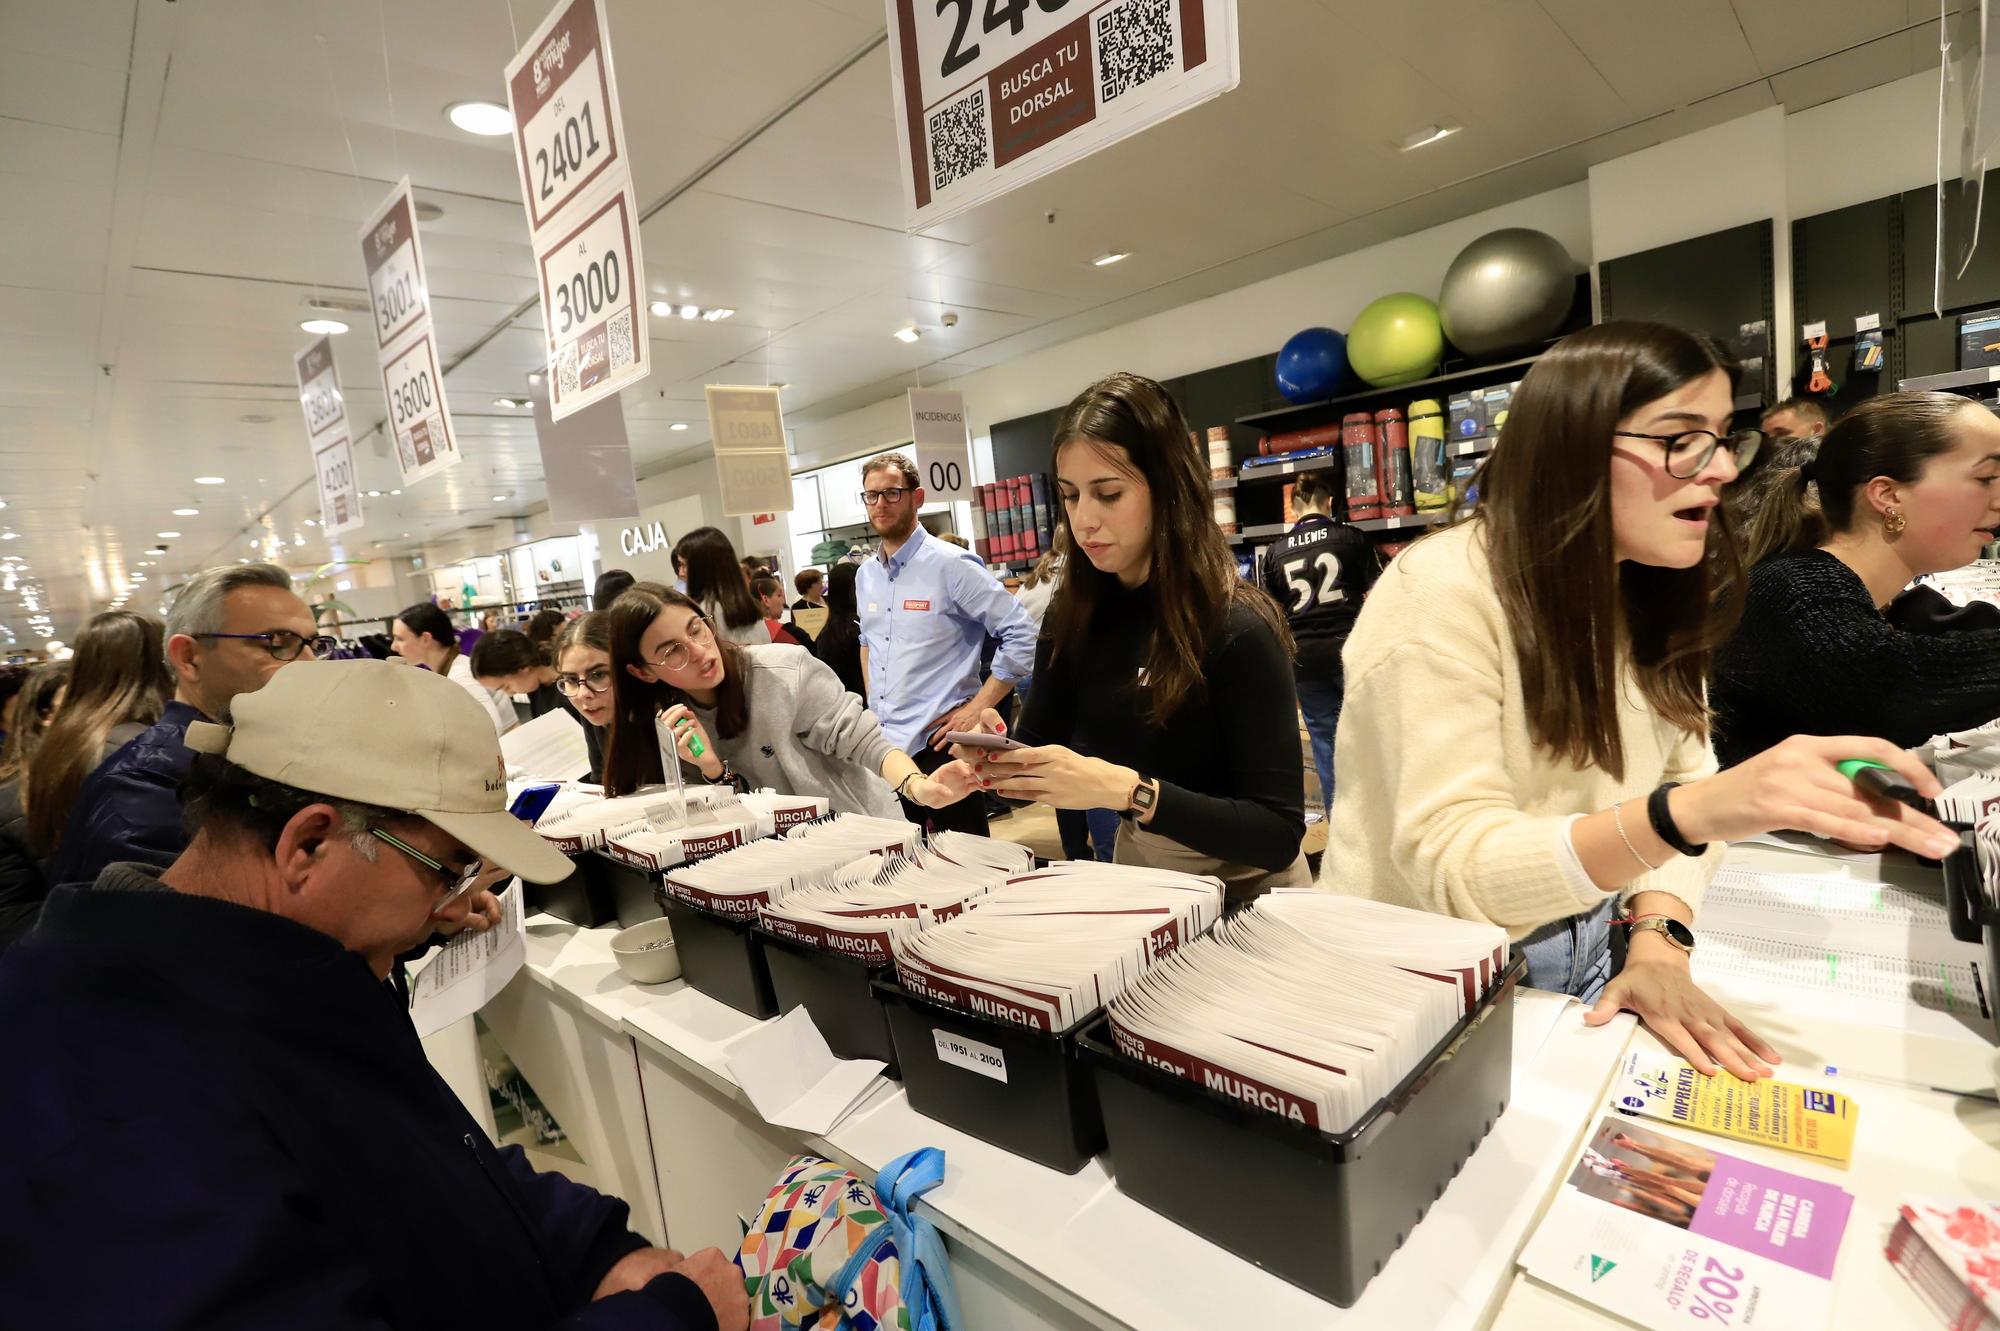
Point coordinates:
[[1661, 815]]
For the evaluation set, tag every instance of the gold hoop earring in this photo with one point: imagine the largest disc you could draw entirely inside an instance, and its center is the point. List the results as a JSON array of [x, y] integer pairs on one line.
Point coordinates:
[[1893, 522]]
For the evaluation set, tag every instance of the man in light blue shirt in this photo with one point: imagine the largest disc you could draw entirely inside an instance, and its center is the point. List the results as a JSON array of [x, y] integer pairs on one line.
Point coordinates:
[[927, 610]]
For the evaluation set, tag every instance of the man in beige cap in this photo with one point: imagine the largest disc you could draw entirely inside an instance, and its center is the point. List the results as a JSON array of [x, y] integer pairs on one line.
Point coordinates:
[[213, 1098]]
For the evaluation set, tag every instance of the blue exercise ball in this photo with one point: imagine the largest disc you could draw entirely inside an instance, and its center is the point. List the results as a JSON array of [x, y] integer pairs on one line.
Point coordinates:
[[1312, 365]]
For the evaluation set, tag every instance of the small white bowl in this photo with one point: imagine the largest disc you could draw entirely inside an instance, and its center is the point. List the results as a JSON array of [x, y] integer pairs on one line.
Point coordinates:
[[646, 952]]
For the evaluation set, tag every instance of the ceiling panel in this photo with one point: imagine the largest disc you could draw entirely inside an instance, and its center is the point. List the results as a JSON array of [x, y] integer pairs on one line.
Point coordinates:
[[1658, 57], [1786, 33]]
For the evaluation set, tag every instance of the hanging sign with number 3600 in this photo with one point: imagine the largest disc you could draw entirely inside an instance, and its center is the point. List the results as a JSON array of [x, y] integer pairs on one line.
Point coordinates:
[[406, 348], [576, 185]]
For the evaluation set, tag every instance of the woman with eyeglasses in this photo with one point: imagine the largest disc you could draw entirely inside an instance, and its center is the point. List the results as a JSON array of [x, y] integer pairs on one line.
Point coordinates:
[[1903, 485], [1524, 738], [759, 716], [423, 635], [582, 653]]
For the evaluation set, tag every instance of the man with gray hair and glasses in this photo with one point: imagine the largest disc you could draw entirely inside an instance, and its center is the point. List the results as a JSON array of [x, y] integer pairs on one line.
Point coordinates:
[[230, 630], [271, 1147]]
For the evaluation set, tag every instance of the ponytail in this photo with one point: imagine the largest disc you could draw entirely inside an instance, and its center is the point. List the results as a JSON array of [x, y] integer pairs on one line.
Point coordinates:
[[1788, 516]]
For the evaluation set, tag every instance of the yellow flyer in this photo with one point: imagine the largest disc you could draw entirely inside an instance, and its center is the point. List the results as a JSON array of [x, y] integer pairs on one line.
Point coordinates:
[[1769, 1113]]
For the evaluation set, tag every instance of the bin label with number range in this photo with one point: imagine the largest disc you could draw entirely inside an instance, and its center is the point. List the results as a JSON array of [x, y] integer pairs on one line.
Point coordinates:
[[990, 94], [414, 389], [398, 294], [970, 1054], [339, 491], [564, 96], [937, 433], [596, 321]]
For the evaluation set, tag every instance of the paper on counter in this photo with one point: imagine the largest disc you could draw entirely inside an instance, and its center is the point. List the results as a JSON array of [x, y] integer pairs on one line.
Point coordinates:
[[793, 1079], [471, 969], [551, 747]]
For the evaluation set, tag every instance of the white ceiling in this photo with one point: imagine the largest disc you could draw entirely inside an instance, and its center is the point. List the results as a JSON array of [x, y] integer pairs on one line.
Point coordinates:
[[178, 180]]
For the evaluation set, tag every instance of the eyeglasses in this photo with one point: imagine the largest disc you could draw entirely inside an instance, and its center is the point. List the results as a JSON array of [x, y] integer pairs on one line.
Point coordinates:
[[456, 882], [1689, 451], [283, 644], [675, 654], [871, 498], [597, 680]]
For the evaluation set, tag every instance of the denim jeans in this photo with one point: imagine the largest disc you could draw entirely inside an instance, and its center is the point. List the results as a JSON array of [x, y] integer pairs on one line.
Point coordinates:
[[1319, 700], [1572, 956], [1088, 833]]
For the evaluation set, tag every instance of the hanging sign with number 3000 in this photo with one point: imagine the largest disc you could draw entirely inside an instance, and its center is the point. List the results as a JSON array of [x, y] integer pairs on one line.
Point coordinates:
[[583, 218]]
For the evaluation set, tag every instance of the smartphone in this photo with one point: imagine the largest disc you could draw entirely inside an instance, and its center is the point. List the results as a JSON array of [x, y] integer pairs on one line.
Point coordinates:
[[976, 741], [533, 802]]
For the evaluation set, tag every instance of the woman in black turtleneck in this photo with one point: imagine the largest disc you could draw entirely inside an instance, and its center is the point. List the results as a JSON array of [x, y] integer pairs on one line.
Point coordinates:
[[1904, 484], [1157, 659]]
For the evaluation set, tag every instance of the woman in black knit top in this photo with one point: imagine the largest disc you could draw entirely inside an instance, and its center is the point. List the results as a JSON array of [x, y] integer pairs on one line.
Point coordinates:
[[1904, 484], [1163, 682]]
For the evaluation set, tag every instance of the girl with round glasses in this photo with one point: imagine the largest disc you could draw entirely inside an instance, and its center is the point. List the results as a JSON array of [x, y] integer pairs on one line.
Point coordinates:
[[769, 716], [582, 655], [1524, 736], [1903, 485]]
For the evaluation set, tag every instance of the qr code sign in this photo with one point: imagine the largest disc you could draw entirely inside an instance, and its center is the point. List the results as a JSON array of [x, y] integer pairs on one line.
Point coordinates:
[[566, 375], [959, 145], [1135, 43], [621, 339]]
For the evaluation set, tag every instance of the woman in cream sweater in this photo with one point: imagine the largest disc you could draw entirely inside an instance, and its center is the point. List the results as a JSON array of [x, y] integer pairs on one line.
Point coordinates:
[[1524, 736]]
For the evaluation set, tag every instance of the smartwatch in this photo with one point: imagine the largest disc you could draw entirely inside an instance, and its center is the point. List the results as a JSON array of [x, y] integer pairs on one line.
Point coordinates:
[[1144, 796], [1672, 930]]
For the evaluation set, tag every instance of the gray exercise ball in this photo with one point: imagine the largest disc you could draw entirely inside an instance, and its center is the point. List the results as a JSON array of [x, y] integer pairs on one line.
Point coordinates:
[[1509, 290]]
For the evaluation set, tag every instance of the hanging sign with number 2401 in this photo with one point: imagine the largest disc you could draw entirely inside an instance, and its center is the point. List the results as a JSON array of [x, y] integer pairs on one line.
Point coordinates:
[[576, 186]]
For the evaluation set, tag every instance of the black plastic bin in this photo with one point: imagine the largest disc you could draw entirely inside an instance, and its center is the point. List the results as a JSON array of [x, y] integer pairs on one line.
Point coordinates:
[[722, 957], [584, 898], [1323, 1211], [1044, 1107], [632, 891], [837, 992]]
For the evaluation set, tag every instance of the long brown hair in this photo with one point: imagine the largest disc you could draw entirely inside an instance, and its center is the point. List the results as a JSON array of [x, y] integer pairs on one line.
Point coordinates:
[[119, 674], [715, 577], [1193, 582], [33, 706], [632, 748], [1572, 607], [1894, 435]]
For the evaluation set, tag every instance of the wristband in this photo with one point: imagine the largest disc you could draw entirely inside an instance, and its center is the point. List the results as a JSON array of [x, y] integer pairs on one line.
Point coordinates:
[[1662, 819], [904, 782]]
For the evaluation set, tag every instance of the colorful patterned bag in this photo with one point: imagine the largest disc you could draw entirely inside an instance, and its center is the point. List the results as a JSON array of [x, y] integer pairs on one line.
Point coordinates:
[[823, 1255]]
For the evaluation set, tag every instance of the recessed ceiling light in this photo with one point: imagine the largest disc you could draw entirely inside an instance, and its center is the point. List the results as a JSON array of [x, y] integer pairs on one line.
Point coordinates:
[[499, 499], [374, 494], [659, 309], [718, 314], [428, 211], [9, 536], [258, 417], [513, 402], [1106, 260], [208, 480], [489, 119], [167, 535], [187, 512], [395, 492], [311, 522], [907, 334], [3, 503], [1428, 134], [678, 425], [328, 326]]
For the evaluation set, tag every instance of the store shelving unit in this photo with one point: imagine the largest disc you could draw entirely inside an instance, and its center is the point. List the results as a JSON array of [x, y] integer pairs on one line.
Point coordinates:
[[1308, 414]]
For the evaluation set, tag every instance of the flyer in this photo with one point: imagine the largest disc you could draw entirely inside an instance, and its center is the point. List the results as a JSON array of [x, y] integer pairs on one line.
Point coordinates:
[[1665, 1232], [1807, 1119]]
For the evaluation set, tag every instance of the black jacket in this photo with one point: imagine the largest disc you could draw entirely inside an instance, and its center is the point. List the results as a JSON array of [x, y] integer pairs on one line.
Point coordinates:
[[22, 886], [1813, 656], [129, 808], [217, 1118]]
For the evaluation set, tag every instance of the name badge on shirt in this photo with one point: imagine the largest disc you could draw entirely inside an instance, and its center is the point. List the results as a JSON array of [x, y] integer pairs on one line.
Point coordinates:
[[916, 605], [873, 608]]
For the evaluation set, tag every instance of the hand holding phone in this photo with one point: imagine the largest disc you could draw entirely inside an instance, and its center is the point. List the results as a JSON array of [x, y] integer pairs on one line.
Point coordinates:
[[973, 740]]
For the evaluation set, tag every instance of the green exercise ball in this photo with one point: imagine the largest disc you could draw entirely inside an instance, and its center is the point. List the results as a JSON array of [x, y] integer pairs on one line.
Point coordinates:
[[1396, 339]]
